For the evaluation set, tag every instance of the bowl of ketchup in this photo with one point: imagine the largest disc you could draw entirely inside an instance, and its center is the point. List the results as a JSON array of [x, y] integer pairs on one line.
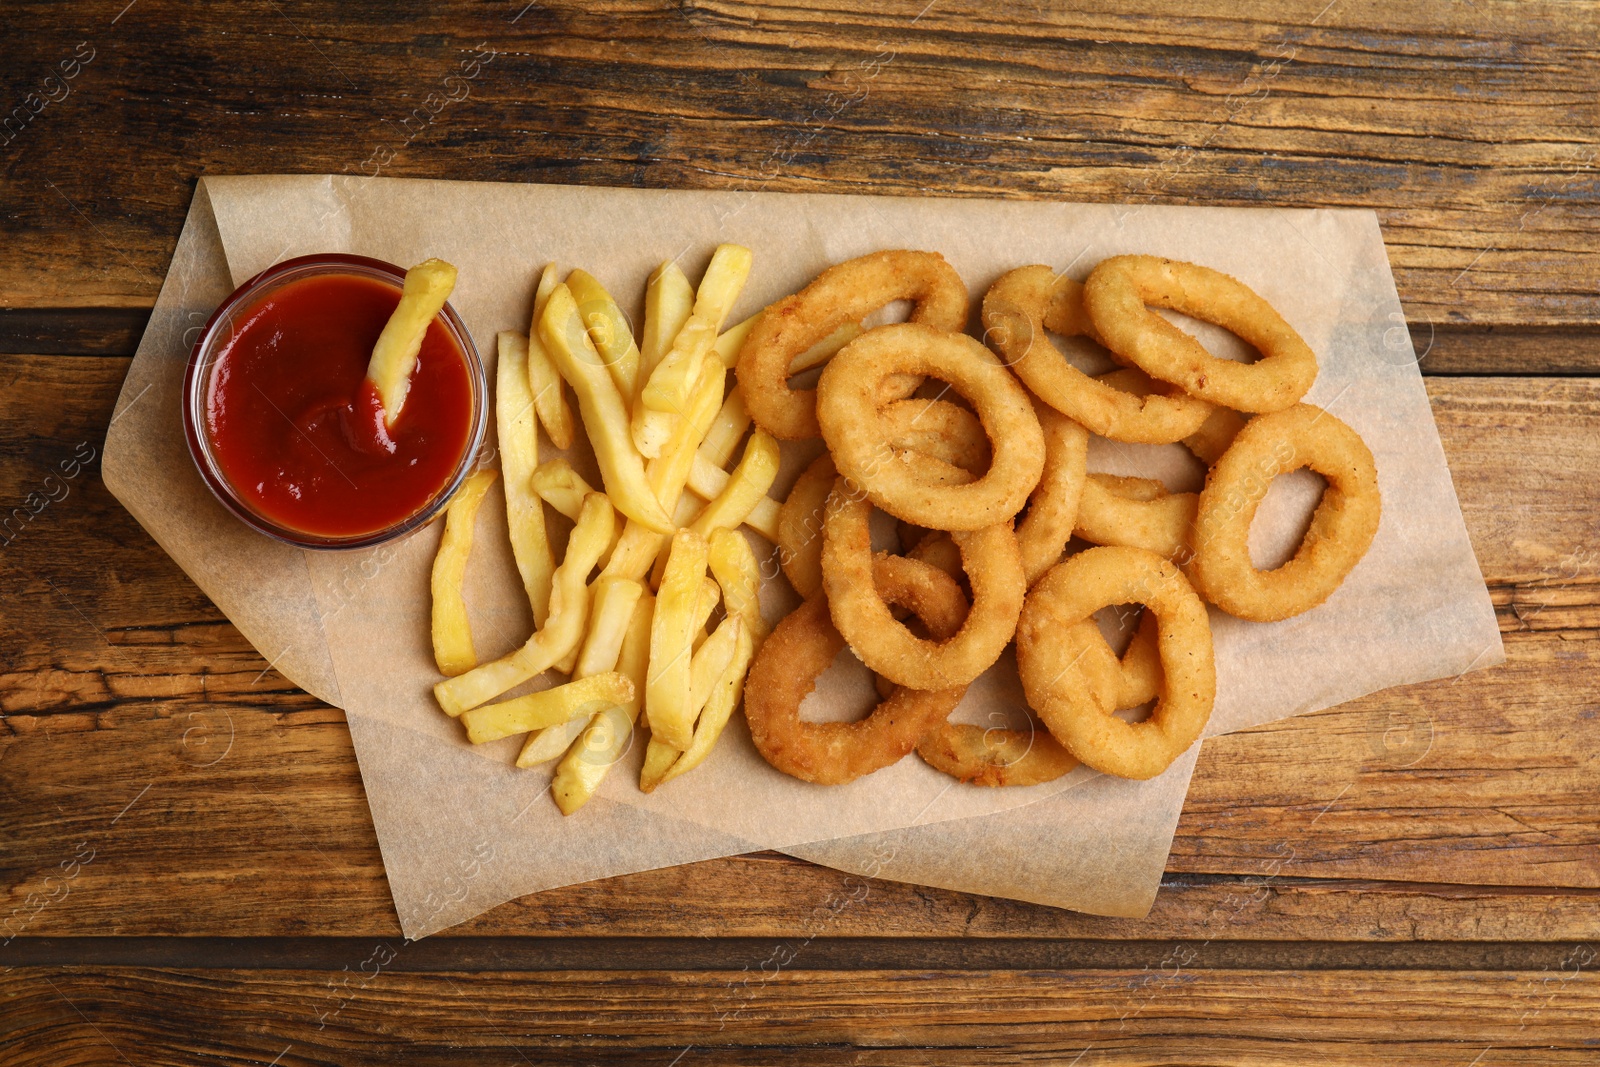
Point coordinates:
[[279, 415]]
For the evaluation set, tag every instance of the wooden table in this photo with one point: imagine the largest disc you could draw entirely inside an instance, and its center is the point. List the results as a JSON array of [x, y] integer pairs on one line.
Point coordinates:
[[188, 872]]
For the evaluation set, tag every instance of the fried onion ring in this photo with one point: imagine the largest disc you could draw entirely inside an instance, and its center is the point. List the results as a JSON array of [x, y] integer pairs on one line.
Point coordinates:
[[1017, 311], [1055, 680], [804, 644], [1044, 531], [1119, 293], [844, 293], [847, 410], [995, 757], [939, 429], [1138, 512], [1212, 439], [1341, 531], [800, 526], [993, 566]]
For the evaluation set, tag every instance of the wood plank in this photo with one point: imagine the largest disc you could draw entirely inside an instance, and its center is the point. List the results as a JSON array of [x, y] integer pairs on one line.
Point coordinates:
[[1172, 1011], [1471, 128], [254, 822]]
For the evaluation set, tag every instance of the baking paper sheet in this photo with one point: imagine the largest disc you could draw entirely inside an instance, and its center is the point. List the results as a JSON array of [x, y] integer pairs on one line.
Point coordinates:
[[352, 628]]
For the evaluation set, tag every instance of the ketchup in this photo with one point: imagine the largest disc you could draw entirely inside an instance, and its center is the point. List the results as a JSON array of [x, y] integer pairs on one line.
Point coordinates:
[[297, 429]]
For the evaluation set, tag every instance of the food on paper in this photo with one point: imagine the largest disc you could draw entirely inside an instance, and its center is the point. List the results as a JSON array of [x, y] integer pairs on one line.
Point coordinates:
[[847, 405], [290, 432], [1019, 309], [1119, 293], [1052, 649], [839, 296], [992, 565], [1342, 527], [394, 357], [804, 644], [452, 633]]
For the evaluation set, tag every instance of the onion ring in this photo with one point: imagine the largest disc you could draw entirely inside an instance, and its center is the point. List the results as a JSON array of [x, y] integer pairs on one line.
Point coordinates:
[[1118, 296], [993, 566], [804, 644], [846, 408], [1212, 439], [1044, 531], [1056, 683], [1138, 512], [844, 293], [800, 526], [995, 757], [1017, 311], [1341, 531], [938, 429]]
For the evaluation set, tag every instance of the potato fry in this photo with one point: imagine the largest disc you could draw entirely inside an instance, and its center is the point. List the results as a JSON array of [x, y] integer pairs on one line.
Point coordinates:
[[710, 597], [738, 574], [732, 339], [452, 633], [609, 329], [583, 699], [711, 662], [560, 486], [542, 746], [607, 737], [673, 379], [519, 455], [746, 487], [544, 382], [708, 482], [569, 612], [719, 708], [394, 357], [605, 415], [668, 302], [732, 420], [666, 696], [613, 602], [826, 348]]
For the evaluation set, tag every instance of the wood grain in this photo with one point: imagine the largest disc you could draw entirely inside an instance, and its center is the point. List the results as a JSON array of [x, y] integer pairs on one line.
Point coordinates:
[[1470, 128], [1387, 819], [1173, 1011]]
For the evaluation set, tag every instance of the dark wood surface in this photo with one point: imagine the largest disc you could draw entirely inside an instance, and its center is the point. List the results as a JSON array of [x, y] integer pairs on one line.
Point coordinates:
[[1413, 877]]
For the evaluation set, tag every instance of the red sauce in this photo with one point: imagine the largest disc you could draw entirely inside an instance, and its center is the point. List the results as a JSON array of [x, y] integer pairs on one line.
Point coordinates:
[[296, 428]]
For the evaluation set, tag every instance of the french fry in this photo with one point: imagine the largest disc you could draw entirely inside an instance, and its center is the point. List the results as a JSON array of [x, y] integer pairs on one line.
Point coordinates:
[[542, 746], [560, 486], [569, 611], [394, 357], [452, 633], [739, 575], [666, 695], [605, 415], [746, 487], [710, 597], [710, 663], [722, 437], [718, 709], [519, 454], [611, 606], [544, 381], [583, 699], [826, 348], [606, 738], [668, 302], [608, 329], [708, 482], [732, 339], [672, 380]]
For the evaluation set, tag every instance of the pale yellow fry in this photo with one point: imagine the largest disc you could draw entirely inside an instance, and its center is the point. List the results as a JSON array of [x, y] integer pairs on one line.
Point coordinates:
[[732, 420], [667, 473], [668, 302], [666, 694], [673, 378], [719, 708], [579, 699], [549, 278], [549, 395], [732, 339], [569, 612], [734, 566], [708, 482], [609, 329], [710, 597], [746, 487], [603, 742], [605, 416], [658, 759], [545, 745], [452, 633], [519, 455], [560, 486], [422, 296], [613, 602], [826, 348], [711, 663], [567, 663]]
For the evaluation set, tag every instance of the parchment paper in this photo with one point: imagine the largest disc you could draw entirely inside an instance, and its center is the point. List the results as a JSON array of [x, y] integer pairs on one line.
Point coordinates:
[[440, 806]]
